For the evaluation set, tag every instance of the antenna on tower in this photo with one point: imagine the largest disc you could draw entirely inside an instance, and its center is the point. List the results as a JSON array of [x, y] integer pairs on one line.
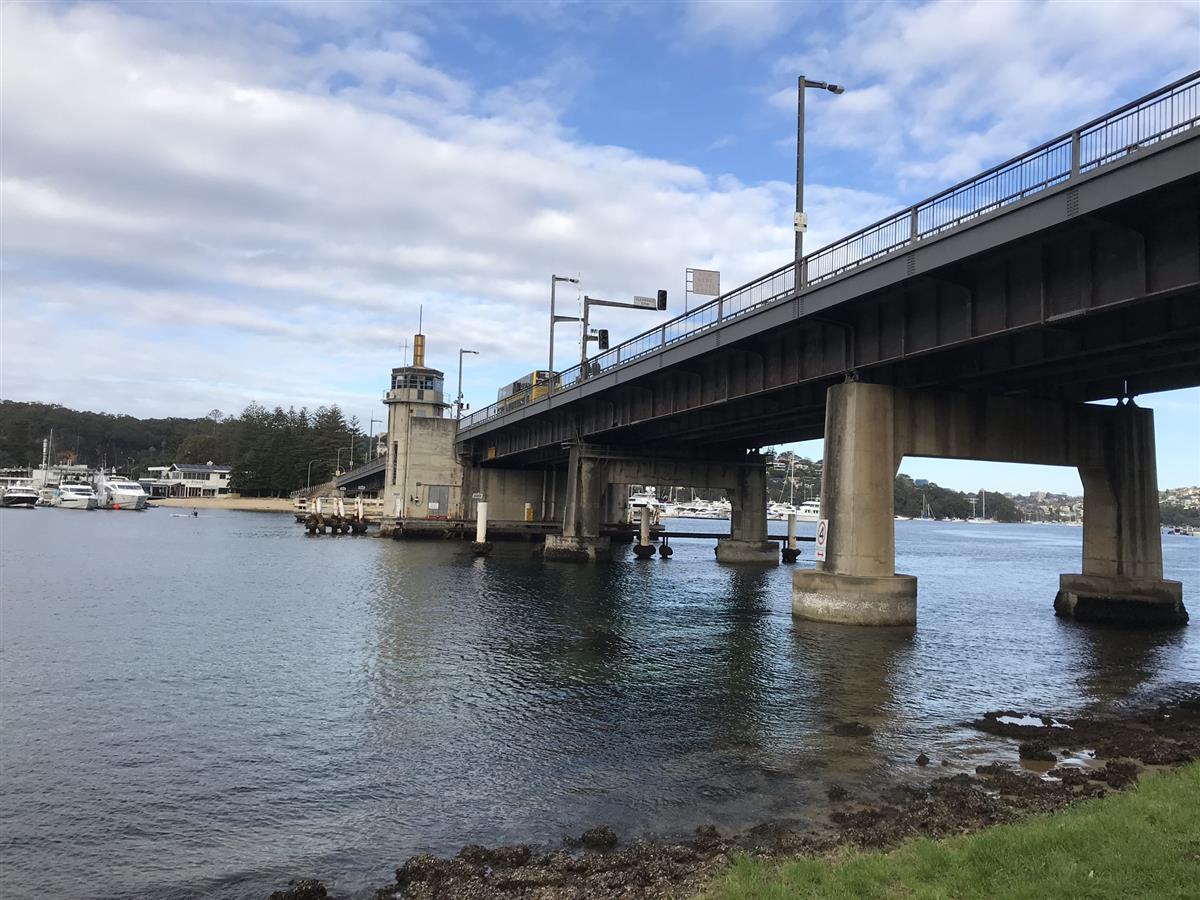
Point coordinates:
[[420, 317]]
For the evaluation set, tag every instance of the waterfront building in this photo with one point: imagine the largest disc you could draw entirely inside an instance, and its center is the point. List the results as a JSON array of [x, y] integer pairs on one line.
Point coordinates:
[[187, 480], [62, 473], [422, 476]]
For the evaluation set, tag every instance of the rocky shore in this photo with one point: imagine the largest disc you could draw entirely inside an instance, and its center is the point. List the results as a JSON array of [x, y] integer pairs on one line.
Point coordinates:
[[1081, 757]]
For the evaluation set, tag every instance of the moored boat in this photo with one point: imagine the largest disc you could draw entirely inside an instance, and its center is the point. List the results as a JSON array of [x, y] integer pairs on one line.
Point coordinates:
[[118, 492], [18, 495], [75, 496], [809, 511]]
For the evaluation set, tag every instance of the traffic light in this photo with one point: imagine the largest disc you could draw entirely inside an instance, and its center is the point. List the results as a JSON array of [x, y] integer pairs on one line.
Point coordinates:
[[602, 338], [662, 300]]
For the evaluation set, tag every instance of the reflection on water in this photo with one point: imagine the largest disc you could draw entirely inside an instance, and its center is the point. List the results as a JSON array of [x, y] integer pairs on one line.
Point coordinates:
[[236, 704], [1114, 663]]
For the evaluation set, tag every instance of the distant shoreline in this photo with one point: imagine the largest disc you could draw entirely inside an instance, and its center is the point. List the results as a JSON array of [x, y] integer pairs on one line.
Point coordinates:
[[247, 504]]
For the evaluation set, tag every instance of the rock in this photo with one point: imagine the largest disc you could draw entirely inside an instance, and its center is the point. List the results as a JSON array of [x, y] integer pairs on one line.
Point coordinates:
[[420, 868], [304, 889], [851, 729], [1122, 771], [1072, 776], [498, 857], [1036, 750], [599, 838], [836, 792], [922, 759]]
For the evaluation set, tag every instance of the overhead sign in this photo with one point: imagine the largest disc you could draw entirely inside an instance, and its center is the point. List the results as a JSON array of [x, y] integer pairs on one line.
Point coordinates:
[[822, 538], [705, 282], [646, 302]]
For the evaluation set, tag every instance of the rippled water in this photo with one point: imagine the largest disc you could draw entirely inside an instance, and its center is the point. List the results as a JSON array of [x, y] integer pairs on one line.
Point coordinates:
[[207, 707]]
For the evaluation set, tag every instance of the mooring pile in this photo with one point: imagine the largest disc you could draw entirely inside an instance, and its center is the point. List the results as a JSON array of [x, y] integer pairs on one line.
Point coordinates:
[[336, 521]]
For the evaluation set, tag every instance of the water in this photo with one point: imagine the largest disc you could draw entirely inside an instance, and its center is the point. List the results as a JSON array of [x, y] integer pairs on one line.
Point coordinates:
[[207, 707]]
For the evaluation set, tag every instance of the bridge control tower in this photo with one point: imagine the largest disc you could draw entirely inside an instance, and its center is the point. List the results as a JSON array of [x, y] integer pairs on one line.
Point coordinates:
[[423, 479]]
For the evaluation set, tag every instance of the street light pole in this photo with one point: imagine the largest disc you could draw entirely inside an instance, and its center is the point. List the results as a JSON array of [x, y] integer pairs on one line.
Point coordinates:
[[371, 443], [458, 405], [555, 319], [801, 223], [309, 479]]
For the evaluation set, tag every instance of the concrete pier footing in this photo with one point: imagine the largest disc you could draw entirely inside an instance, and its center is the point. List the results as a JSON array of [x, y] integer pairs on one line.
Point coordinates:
[[732, 550], [854, 599], [570, 548], [870, 428], [1110, 600]]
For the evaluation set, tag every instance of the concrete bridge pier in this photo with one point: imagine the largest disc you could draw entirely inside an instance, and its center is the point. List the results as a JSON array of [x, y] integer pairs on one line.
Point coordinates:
[[581, 540], [857, 583], [868, 430], [1122, 579], [747, 541]]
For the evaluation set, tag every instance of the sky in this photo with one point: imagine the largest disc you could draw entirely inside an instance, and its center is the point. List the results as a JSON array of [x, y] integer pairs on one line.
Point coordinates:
[[208, 204]]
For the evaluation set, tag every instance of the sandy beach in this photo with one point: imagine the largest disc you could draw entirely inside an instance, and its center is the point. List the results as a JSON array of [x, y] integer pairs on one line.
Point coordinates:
[[232, 501]]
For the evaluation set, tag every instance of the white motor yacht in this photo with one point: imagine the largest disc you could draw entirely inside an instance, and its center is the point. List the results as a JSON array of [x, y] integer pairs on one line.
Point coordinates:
[[778, 512], [75, 496], [639, 500], [18, 494], [118, 492], [809, 511]]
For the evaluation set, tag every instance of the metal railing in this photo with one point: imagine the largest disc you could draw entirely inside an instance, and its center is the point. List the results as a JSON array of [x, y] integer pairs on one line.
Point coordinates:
[[1135, 126]]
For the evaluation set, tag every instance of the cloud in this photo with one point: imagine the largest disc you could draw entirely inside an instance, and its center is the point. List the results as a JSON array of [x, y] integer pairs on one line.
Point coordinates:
[[239, 215], [742, 24], [938, 91], [213, 203]]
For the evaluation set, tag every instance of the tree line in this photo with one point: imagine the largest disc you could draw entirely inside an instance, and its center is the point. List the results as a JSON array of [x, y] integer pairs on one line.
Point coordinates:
[[272, 452]]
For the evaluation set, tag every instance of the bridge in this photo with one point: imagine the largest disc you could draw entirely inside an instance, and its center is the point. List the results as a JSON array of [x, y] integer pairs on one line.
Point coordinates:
[[974, 324]]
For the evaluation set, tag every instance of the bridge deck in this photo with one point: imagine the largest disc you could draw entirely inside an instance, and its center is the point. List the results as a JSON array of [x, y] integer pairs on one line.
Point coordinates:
[[1066, 272]]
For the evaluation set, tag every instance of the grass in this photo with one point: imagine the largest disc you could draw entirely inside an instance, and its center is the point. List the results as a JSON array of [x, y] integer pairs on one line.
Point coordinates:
[[1144, 842]]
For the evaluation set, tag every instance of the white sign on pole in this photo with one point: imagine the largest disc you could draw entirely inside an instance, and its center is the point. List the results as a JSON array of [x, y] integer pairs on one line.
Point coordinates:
[[646, 302], [706, 282], [477, 496], [822, 538]]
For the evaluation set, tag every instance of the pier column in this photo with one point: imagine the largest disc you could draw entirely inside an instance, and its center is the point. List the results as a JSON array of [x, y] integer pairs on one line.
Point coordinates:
[[747, 541], [581, 540], [1122, 579], [857, 583]]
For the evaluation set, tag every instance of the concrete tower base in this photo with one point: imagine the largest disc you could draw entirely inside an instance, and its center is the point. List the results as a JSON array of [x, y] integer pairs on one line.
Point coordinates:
[[1120, 601], [732, 550], [854, 599], [577, 549]]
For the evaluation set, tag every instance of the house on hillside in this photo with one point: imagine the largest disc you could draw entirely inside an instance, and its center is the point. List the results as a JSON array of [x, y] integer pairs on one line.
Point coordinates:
[[187, 480]]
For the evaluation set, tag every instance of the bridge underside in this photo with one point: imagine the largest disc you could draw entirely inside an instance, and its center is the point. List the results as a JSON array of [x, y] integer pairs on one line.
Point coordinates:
[[1101, 304]]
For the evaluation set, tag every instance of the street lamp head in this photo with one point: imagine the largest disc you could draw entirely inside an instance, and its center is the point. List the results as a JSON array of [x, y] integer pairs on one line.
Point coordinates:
[[822, 85]]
